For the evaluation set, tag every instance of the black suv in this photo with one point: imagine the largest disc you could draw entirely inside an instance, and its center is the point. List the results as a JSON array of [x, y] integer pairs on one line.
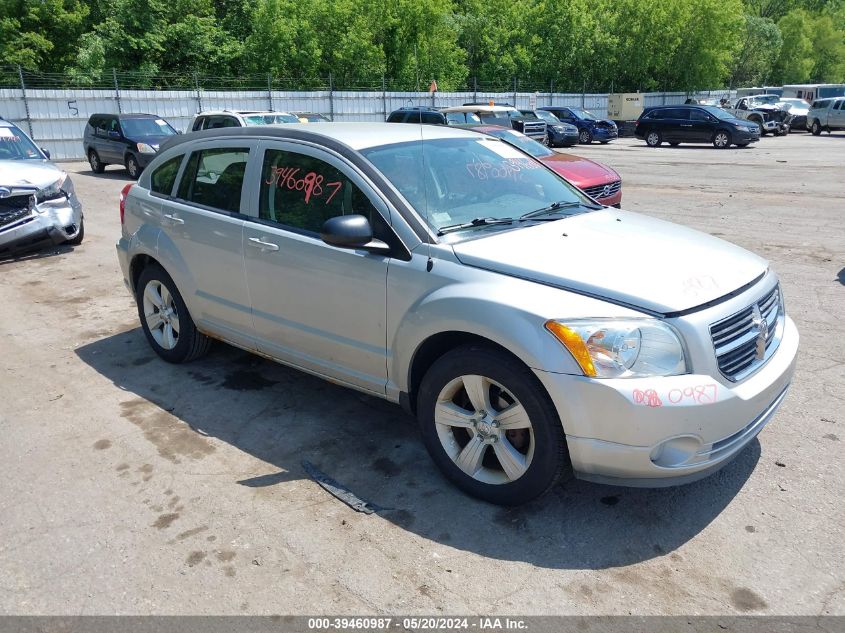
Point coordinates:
[[694, 124], [417, 114], [131, 140]]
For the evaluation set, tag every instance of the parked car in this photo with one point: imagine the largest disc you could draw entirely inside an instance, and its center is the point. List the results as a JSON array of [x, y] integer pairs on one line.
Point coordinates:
[[598, 181], [694, 124], [590, 127], [765, 111], [310, 117], [532, 332], [798, 109], [214, 119], [827, 115], [38, 204], [131, 140], [505, 115], [417, 114], [558, 133]]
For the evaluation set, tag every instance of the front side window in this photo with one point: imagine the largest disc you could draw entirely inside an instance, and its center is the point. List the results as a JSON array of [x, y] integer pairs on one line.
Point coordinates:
[[163, 178], [459, 180], [698, 115], [548, 117], [302, 192], [270, 118], [214, 178]]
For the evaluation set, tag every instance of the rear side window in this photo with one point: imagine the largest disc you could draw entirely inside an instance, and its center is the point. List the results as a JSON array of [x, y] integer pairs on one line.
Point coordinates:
[[432, 118], [457, 118], [839, 105], [395, 117], [164, 177], [698, 115], [198, 124], [302, 192], [677, 113], [214, 178]]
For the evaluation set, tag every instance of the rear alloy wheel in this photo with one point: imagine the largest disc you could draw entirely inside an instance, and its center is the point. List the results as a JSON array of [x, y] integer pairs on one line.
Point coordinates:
[[585, 137], [132, 167], [168, 326], [94, 160], [721, 140], [816, 129], [653, 139], [489, 425]]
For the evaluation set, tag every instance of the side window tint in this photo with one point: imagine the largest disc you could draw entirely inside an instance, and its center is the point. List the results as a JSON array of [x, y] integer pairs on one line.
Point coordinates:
[[198, 124], [698, 115], [214, 178], [455, 117], [303, 192], [431, 118], [164, 176]]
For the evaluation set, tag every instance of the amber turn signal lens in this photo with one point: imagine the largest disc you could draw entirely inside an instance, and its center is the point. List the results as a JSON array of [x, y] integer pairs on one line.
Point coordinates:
[[571, 341]]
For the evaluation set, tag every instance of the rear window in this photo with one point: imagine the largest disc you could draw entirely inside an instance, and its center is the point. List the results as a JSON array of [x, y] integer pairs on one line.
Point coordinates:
[[164, 177], [214, 178]]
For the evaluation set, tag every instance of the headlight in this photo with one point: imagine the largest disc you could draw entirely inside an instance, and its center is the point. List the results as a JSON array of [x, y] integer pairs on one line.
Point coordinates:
[[557, 128], [53, 191], [616, 348], [146, 149]]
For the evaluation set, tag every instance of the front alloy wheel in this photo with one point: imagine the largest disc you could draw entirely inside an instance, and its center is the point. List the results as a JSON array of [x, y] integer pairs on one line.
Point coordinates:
[[132, 167], [585, 137], [721, 140], [490, 426], [653, 139]]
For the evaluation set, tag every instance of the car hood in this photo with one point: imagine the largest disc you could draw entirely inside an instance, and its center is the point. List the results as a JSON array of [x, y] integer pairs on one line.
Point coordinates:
[[581, 172], [156, 141], [28, 173], [621, 256], [605, 121]]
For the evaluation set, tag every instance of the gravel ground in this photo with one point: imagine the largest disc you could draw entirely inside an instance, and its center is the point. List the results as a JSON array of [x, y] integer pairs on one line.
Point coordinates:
[[131, 486]]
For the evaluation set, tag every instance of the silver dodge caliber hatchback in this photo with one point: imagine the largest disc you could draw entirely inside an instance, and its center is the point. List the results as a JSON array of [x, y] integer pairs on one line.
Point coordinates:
[[533, 333]]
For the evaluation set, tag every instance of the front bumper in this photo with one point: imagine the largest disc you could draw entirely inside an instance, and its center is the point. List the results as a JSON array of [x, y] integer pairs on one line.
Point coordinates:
[[742, 136], [667, 431], [48, 223], [562, 139], [604, 133]]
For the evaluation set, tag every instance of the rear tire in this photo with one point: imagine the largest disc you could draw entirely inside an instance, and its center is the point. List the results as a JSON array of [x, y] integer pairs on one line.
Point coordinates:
[[653, 138], [165, 319], [94, 160], [466, 401]]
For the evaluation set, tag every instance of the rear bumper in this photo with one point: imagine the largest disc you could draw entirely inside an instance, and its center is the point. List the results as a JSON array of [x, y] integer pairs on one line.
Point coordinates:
[[49, 223]]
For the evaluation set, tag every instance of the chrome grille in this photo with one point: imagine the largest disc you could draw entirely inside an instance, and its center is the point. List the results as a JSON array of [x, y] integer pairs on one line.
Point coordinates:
[[743, 342], [14, 208], [534, 128], [598, 192]]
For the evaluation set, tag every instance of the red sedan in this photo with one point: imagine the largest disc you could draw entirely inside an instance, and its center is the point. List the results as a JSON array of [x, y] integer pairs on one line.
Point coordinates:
[[596, 180]]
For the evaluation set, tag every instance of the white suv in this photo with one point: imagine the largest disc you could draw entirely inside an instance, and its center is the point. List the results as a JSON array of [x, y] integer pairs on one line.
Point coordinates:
[[533, 332], [213, 119]]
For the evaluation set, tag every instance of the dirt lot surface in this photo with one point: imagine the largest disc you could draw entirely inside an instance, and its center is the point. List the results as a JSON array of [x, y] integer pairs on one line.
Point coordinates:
[[131, 486]]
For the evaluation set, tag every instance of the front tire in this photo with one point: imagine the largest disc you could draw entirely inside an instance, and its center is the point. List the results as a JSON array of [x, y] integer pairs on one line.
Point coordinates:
[[653, 139], [585, 137], [132, 167], [816, 129], [490, 426], [76, 241], [165, 319], [721, 140]]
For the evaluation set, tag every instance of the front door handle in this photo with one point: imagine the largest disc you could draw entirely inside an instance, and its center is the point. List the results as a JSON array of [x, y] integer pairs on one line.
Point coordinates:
[[686, 124], [257, 242], [172, 219]]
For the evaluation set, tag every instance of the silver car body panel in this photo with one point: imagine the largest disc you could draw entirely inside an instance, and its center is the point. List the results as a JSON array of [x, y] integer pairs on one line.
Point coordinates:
[[359, 318]]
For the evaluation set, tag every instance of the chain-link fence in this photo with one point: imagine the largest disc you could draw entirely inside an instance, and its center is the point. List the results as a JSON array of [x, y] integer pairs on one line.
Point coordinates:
[[53, 108]]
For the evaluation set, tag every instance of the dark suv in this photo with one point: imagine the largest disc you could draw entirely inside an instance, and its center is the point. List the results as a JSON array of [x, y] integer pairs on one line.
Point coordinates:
[[590, 127], [417, 114], [131, 140], [694, 124]]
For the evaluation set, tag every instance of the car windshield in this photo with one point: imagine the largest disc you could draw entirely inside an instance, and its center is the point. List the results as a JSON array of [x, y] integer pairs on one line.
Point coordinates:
[[527, 145], [548, 117], [311, 117], [583, 114], [799, 103], [719, 113], [135, 128], [461, 180], [269, 119], [15, 145], [765, 99]]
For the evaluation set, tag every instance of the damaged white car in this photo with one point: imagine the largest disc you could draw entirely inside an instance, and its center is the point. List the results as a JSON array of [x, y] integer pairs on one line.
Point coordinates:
[[38, 205]]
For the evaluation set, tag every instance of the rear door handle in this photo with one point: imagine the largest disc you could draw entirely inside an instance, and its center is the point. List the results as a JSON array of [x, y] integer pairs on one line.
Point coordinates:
[[257, 242], [172, 219], [686, 124]]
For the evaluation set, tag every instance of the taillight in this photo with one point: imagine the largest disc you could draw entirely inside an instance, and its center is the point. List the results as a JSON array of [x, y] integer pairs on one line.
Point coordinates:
[[123, 194]]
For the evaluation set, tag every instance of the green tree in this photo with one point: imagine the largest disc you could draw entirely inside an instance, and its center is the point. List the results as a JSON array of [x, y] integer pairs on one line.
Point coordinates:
[[41, 34], [796, 60], [761, 44]]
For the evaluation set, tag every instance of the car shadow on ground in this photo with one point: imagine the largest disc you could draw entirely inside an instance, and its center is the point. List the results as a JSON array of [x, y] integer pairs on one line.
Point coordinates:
[[36, 253], [283, 416]]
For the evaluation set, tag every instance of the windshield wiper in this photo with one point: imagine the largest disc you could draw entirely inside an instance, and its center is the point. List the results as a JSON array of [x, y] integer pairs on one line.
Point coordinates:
[[552, 208], [474, 223]]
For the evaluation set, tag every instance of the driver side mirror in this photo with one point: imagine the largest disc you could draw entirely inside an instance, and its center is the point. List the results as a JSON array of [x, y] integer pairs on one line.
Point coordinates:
[[352, 231], [114, 134], [46, 152]]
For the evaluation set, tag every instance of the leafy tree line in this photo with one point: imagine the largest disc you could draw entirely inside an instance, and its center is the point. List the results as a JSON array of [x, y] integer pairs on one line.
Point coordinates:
[[574, 44]]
